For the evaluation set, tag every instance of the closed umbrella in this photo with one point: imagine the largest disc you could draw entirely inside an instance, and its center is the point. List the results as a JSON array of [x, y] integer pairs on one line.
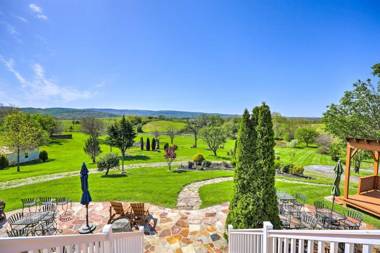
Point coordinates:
[[335, 191], [85, 199]]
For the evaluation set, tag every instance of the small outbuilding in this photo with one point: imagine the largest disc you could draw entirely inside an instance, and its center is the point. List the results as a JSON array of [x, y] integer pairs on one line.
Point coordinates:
[[25, 155]]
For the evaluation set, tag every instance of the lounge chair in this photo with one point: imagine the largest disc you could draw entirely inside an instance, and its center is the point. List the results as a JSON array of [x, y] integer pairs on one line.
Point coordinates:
[[139, 213], [117, 211]]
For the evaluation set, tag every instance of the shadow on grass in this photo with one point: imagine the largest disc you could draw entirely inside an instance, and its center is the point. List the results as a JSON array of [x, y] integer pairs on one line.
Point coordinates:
[[137, 157], [113, 176], [180, 171]]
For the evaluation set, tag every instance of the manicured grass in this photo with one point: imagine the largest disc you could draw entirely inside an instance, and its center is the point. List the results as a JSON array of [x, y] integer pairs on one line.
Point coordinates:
[[154, 185], [303, 156], [163, 125], [68, 155], [222, 192]]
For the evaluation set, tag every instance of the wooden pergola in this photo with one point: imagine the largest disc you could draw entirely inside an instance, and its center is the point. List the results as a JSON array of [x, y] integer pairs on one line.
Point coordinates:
[[368, 195]]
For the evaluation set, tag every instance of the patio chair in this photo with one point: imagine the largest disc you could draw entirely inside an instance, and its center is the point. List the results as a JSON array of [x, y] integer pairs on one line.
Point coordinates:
[[353, 220], [28, 203], [48, 226], [2, 212], [46, 200], [64, 203], [13, 219], [117, 211], [18, 232], [308, 221], [320, 211], [139, 213]]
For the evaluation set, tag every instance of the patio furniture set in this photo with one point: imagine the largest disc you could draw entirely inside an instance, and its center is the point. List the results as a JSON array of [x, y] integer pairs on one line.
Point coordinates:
[[38, 216], [294, 215], [125, 218]]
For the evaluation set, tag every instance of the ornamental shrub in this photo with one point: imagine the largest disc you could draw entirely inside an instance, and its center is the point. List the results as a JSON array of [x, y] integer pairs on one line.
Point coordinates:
[[43, 155], [107, 162], [297, 170], [198, 158], [3, 162]]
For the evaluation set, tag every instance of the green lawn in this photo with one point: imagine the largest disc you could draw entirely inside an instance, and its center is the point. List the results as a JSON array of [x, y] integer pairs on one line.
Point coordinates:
[[154, 185], [222, 192], [68, 155], [163, 125]]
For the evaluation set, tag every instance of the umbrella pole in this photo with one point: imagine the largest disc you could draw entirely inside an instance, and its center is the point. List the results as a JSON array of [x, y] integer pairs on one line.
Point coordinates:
[[87, 216]]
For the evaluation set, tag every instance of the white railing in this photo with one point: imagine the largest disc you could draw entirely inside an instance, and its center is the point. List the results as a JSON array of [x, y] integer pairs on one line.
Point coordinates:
[[267, 240], [105, 242]]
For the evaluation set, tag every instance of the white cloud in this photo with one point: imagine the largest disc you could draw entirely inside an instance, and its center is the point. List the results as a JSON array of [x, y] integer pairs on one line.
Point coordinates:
[[38, 12], [22, 19], [43, 88]]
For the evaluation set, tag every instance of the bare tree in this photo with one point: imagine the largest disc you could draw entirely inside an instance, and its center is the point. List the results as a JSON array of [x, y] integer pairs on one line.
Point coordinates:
[[171, 132], [92, 126]]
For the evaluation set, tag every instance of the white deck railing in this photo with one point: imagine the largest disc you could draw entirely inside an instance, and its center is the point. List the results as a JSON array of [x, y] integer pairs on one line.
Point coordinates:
[[267, 240], [105, 242]]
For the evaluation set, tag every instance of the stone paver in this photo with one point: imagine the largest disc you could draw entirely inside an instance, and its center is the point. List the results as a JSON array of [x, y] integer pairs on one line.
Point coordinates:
[[189, 199]]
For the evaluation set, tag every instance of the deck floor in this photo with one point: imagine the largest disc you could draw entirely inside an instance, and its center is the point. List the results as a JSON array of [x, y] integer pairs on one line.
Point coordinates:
[[369, 202]]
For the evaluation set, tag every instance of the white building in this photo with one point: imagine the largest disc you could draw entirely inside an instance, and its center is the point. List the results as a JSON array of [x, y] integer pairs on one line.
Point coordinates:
[[25, 155]]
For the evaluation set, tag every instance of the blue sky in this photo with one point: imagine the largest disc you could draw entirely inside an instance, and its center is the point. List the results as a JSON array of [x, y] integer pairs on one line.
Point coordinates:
[[211, 56]]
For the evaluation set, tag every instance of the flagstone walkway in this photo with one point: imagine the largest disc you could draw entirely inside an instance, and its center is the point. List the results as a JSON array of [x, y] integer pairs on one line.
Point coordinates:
[[189, 199]]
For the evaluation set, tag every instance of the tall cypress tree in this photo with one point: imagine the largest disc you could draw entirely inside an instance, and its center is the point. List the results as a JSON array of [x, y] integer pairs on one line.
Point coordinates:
[[147, 144], [265, 161], [242, 205], [254, 190], [142, 143], [153, 144]]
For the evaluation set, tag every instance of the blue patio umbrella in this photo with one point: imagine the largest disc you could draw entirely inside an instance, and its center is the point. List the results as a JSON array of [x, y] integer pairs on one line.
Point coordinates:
[[85, 199]]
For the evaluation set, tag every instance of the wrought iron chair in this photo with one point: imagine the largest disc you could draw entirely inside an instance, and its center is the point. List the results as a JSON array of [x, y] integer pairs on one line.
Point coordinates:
[[29, 203], [46, 201], [49, 224], [13, 219], [64, 203], [308, 221], [18, 232]]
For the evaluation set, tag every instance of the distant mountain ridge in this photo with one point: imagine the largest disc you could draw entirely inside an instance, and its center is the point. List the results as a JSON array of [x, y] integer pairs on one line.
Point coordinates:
[[71, 113]]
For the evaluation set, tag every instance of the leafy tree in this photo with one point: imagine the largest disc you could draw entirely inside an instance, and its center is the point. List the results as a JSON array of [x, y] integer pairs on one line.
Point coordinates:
[[153, 144], [141, 143], [107, 162], [147, 144], [170, 155], [357, 114], [21, 132], [5, 110], [194, 126], [48, 123], [92, 126], [122, 135], [214, 136], [92, 148], [324, 142], [306, 135], [171, 132], [231, 128]]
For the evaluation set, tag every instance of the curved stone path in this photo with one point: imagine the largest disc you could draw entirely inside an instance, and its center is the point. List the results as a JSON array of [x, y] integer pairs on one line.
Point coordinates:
[[189, 199], [45, 178]]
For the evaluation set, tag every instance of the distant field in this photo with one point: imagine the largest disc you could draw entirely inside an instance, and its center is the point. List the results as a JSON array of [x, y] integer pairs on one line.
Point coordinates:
[[163, 126]]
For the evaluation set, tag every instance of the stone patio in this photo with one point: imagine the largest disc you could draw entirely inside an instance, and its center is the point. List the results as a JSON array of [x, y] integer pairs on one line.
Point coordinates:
[[177, 230]]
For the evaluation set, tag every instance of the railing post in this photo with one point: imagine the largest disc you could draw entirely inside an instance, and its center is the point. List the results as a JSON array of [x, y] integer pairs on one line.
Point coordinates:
[[108, 244], [229, 228], [267, 226], [141, 229]]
